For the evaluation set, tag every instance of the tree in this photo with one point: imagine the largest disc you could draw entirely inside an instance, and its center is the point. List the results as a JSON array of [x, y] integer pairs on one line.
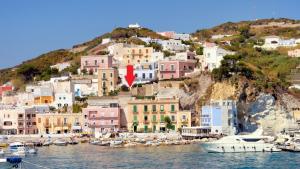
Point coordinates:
[[168, 122], [199, 51], [28, 71]]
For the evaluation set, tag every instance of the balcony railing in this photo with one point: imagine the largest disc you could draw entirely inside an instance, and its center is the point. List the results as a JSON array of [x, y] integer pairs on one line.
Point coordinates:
[[146, 122], [168, 70]]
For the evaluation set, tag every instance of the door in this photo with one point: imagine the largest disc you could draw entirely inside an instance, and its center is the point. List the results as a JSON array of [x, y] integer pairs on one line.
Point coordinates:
[[145, 129]]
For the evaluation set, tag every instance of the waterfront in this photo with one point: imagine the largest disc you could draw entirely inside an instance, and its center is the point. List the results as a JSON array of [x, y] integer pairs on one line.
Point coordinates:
[[179, 156]]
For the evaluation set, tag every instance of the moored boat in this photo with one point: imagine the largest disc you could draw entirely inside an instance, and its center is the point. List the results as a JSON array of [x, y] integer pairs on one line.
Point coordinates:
[[17, 148], [241, 143], [60, 142]]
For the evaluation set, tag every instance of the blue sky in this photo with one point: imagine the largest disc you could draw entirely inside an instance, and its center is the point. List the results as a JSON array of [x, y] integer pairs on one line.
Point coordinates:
[[32, 27]]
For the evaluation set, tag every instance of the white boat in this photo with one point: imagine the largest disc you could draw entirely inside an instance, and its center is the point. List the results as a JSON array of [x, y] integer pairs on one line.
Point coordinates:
[[17, 148], [47, 143], [32, 151], [1, 152], [95, 142], [116, 143], [254, 142], [60, 142]]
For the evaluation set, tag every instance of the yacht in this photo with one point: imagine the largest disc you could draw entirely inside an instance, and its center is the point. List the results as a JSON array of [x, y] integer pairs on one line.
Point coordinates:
[[17, 148], [254, 142], [60, 142]]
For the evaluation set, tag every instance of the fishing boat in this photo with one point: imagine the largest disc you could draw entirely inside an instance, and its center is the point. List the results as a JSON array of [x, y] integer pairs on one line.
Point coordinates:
[[104, 143], [60, 142], [95, 142], [17, 148], [242, 143]]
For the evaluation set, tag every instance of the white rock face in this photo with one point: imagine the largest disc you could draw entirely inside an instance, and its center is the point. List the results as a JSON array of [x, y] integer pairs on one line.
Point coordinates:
[[266, 113]]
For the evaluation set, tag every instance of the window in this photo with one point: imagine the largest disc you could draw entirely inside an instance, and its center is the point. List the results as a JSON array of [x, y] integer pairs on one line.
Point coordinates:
[[161, 67], [86, 62], [140, 50], [135, 118], [162, 108], [154, 118], [34, 123], [59, 98], [134, 108], [162, 118], [154, 108], [136, 75], [95, 62], [183, 117], [103, 75], [172, 108], [102, 61], [150, 75], [146, 50], [33, 115], [172, 67], [145, 108], [111, 121], [145, 117], [111, 75], [111, 83], [20, 116], [173, 118], [144, 75], [39, 120]]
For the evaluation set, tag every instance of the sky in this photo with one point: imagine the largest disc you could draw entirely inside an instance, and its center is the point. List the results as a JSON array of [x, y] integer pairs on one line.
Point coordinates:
[[33, 27]]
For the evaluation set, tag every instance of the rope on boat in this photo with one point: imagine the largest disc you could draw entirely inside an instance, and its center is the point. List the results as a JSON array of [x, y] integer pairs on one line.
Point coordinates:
[[37, 165]]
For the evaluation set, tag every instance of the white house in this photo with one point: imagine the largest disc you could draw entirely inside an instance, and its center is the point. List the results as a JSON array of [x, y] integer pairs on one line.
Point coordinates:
[[173, 45], [85, 87], [273, 42], [105, 40], [182, 36], [63, 100], [212, 56], [61, 66], [157, 56], [136, 25]]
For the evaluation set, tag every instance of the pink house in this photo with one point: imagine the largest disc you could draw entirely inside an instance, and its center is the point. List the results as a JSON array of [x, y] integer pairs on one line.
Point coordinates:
[[173, 69], [102, 115], [93, 62], [5, 88]]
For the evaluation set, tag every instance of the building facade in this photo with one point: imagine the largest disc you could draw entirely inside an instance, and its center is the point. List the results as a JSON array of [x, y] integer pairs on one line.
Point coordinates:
[[148, 115], [107, 81], [173, 69], [220, 116], [102, 115], [93, 62], [59, 123]]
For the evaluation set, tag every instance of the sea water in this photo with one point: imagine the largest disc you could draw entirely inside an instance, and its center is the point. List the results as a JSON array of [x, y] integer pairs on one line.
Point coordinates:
[[85, 156]]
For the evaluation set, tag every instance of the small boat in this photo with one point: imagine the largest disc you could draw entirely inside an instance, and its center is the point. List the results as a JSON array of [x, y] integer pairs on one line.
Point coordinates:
[[104, 143], [32, 151], [1, 152], [73, 142], [148, 143], [12, 161], [17, 148], [37, 143], [95, 142], [116, 143], [3, 144], [60, 142], [47, 143], [254, 142]]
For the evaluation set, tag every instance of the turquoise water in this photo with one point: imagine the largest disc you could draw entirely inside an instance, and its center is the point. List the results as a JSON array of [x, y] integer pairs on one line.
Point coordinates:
[[183, 156]]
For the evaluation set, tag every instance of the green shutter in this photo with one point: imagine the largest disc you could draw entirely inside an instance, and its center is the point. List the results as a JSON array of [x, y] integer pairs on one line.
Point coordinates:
[[153, 108], [161, 108], [145, 108], [135, 118], [154, 118], [134, 108], [172, 108], [162, 118]]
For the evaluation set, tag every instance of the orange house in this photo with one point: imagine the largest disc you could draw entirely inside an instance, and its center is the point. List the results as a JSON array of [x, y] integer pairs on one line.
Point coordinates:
[[43, 100]]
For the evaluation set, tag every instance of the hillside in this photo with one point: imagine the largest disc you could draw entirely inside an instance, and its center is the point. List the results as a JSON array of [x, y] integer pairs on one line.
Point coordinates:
[[39, 67], [267, 69]]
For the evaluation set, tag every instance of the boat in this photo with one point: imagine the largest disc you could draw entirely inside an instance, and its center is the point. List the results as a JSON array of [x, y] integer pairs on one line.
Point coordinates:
[[47, 143], [1, 152], [104, 143], [73, 142], [13, 162], [292, 145], [32, 151], [116, 143], [60, 142], [17, 148], [95, 142], [254, 142]]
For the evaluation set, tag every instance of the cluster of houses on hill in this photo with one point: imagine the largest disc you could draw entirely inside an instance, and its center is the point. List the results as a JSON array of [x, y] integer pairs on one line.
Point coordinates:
[[95, 101]]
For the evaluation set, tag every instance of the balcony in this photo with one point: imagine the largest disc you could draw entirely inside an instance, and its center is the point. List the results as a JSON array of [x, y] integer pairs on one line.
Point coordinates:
[[146, 112], [135, 112], [146, 122], [47, 125], [168, 70], [162, 111], [184, 121], [154, 121]]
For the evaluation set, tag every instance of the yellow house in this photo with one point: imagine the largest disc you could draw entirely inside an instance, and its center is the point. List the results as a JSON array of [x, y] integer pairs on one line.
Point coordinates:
[[107, 80], [58, 123], [184, 119], [43, 100], [148, 115]]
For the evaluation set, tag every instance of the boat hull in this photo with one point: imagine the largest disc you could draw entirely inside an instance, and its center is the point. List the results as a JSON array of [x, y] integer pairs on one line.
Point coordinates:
[[242, 148]]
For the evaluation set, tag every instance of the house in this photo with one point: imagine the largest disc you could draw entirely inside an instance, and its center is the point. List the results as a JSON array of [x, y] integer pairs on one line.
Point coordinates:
[[92, 63], [17, 120], [273, 42], [43, 93], [136, 25], [19, 99], [145, 72], [61, 66], [106, 40], [294, 53], [173, 45], [212, 56], [63, 96], [102, 115], [182, 36], [148, 115], [220, 116], [59, 123], [174, 69], [107, 78], [156, 56], [5, 88], [184, 56], [85, 86]]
